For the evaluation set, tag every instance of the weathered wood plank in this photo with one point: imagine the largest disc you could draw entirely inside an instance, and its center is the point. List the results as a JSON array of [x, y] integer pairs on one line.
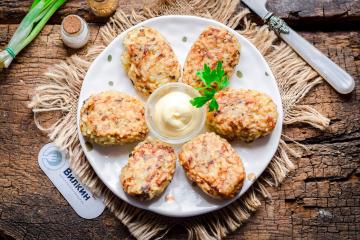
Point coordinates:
[[319, 200], [12, 11], [297, 13], [315, 9], [318, 15]]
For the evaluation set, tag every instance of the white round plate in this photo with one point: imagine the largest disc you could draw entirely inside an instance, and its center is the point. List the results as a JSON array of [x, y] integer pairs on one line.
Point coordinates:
[[188, 200]]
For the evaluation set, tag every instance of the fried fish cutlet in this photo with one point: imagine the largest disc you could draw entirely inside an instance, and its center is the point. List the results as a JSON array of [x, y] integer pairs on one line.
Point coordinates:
[[243, 114], [149, 60], [214, 44], [213, 165], [149, 170], [111, 118]]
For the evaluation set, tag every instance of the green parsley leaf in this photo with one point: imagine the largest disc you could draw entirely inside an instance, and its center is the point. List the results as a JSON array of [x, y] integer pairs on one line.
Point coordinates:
[[209, 93], [224, 82], [199, 101], [213, 105], [214, 80], [219, 70]]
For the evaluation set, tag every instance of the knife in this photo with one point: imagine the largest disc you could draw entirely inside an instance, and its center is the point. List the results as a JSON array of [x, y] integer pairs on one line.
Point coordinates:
[[340, 80]]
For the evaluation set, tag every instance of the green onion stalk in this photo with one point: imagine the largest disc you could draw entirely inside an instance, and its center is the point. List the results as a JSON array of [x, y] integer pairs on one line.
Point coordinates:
[[40, 12]]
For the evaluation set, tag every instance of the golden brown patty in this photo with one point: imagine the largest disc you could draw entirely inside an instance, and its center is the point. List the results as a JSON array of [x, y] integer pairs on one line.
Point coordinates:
[[243, 114], [113, 118], [213, 164], [213, 45], [149, 170], [149, 60]]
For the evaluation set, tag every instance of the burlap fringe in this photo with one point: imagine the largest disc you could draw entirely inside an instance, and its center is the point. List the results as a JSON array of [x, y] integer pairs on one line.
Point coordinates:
[[295, 79]]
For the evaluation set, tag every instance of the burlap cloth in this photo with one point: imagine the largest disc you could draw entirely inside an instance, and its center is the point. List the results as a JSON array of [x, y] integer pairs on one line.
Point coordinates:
[[59, 94]]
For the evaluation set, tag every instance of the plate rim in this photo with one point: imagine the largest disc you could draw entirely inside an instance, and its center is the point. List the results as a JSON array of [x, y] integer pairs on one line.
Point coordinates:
[[209, 209]]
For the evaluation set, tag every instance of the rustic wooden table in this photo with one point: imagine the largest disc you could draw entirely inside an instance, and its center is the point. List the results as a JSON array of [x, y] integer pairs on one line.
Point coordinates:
[[321, 199]]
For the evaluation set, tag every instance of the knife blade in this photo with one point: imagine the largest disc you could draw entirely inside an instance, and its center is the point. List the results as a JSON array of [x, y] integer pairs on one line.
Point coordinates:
[[338, 78]]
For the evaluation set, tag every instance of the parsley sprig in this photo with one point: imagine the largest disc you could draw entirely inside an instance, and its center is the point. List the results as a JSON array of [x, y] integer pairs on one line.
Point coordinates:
[[214, 80]]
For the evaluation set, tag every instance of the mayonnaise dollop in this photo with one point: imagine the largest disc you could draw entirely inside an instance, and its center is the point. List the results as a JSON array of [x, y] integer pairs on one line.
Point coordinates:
[[174, 115]]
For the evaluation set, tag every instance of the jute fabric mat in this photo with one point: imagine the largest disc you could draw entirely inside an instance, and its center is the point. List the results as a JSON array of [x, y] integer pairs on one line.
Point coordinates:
[[58, 96]]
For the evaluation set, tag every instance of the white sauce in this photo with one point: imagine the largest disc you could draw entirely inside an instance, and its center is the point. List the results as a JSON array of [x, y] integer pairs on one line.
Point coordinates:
[[174, 115]]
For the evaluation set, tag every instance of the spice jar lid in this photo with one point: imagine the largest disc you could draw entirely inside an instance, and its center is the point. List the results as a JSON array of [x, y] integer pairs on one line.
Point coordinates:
[[103, 8], [72, 24]]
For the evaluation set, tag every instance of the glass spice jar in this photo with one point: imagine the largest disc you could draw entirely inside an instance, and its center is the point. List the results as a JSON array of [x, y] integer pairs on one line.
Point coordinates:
[[103, 8], [74, 31]]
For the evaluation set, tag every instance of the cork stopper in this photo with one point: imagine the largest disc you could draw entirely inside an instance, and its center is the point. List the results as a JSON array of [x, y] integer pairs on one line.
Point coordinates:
[[103, 8], [72, 24]]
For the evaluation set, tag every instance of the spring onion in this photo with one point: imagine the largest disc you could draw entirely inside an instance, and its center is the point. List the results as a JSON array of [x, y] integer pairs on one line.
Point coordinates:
[[39, 13]]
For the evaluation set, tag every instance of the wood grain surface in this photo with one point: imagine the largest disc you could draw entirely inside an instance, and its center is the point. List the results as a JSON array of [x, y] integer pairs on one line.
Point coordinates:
[[319, 200]]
